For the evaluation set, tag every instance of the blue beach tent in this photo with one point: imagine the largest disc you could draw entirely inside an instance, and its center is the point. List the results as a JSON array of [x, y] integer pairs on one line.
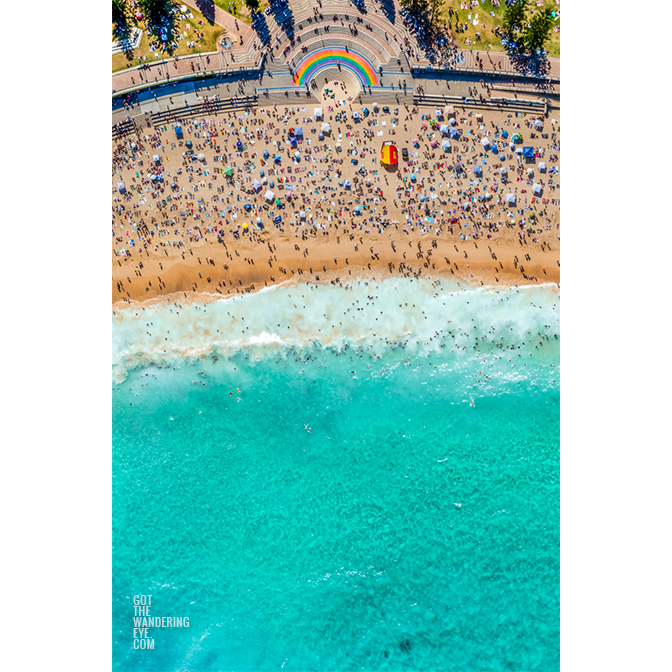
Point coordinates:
[[178, 132], [528, 152]]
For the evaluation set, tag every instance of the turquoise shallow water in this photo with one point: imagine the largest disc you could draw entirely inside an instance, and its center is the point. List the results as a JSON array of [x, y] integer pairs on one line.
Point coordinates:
[[342, 548]]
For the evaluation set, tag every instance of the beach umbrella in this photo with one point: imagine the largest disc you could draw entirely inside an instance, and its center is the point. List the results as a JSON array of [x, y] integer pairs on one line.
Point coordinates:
[[452, 121], [269, 195], [266, 155], [493, 148], [239, 144], [505, 134], [302, 214], [446, 145], [157, 158], [264, 180], [271, 184], [537, 189], [503, 171], [256, 185], [542, 167], [519, 151], [530, 172], [247, 206], [277, 219], [262, 173], [228, 171], [502, 157], [201, 157], [511, 198], [538, 124], [478, 170], [121, 186], [258, 220], [413, 176], [485, 142], [320, 136], [325, 128]]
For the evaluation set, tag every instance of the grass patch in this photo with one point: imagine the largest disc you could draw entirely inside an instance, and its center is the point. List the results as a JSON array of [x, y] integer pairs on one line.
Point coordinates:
[[187, 27], [483, 10]]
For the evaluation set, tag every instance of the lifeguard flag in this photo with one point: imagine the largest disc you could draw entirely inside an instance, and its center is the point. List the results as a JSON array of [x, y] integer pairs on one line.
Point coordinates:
[[388, 153]]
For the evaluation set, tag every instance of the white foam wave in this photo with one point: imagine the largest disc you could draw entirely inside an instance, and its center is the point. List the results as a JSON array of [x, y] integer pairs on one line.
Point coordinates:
[[422, 315]]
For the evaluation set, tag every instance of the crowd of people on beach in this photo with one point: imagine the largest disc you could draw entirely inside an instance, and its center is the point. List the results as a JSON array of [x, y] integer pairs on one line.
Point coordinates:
[[272, 174]]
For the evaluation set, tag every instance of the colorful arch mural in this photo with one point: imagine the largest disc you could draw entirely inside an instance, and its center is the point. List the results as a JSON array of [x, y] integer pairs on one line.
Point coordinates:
[[312, 63]]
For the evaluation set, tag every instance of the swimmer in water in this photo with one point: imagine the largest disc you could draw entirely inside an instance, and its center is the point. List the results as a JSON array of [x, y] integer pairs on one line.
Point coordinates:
[[307, 428]]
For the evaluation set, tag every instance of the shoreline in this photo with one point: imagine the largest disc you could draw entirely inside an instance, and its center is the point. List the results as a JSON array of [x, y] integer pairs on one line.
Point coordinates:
[[375, 274], [168, 279]]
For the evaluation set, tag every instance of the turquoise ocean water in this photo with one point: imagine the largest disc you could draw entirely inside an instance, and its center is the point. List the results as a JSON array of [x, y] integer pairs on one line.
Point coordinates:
[[342, 547]]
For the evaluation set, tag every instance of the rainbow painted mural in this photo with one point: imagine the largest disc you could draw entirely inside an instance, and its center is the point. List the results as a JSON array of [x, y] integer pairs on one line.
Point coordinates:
[[350, 60]]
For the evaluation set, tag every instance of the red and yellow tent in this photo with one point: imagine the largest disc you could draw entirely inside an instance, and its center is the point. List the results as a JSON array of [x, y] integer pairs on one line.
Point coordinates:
[[388, 153]]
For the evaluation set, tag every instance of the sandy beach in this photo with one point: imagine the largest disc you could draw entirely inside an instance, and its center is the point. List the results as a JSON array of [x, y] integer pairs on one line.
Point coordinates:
[[428, 216]]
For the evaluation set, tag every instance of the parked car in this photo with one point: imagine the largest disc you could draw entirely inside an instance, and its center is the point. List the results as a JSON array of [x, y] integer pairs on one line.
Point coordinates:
[[404, 154]]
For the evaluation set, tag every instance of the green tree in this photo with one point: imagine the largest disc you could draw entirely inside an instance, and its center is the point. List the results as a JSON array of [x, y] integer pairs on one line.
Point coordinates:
[[252, 4], [155, 11], [515, 17], [436, 8], [416, 8], [538, 30], [121, 18]]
